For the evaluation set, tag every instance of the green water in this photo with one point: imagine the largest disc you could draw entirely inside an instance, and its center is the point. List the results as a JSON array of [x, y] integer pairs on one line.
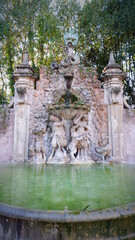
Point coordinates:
[[56, 187]]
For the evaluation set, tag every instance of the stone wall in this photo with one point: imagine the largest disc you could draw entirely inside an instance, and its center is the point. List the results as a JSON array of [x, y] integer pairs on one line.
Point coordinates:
[[49, 90], [68, 118], [129, 135], [6, 134]]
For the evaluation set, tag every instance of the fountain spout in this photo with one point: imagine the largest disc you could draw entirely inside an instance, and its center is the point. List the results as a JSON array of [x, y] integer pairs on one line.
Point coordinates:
[[68, 79], [67, 98]]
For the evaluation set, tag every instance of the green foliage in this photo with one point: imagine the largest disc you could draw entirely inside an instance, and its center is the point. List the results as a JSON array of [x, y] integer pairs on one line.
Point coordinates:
[[3, 97], [39, 26], [67, 12], [109, 25]]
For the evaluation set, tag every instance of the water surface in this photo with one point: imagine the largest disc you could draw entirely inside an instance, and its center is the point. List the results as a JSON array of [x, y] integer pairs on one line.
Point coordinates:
[[52, 187]]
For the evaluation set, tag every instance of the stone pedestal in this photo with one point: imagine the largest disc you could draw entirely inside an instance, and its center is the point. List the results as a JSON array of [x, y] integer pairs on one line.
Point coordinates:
[[113, 95], [24, 86]]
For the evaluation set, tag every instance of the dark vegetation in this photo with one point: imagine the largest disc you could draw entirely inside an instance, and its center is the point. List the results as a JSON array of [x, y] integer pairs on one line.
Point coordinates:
[[39, 26]]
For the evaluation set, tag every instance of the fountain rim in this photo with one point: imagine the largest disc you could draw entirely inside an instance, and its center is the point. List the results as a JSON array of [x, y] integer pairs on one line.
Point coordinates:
[[67, 216]]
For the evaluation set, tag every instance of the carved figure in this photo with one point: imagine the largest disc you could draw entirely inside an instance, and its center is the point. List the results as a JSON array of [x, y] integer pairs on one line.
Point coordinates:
[[104, 151], [79, 134], [59, 140], [37, 151], [40, 151], [72, 58]]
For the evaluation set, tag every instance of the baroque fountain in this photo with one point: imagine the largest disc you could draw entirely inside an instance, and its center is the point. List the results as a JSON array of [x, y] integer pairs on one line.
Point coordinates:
[[66, 118]]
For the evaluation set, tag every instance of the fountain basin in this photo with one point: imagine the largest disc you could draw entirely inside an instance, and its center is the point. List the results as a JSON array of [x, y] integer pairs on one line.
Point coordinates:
[[113, 223], [67, 202]]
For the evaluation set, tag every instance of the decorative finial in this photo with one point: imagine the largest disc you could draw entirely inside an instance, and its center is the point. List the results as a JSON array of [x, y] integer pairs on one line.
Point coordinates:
[[25, 58], [111, 59]]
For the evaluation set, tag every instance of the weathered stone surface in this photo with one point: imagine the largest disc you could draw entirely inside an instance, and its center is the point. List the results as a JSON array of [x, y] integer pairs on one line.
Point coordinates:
[[88, 121], [109, 224], [24, 77], [86, 97], [113, 95], [129, 135], [6, 134]]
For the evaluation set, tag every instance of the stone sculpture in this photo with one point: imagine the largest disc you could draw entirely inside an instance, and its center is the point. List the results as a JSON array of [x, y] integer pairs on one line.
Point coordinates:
[[59, 140], [104, 151], [79, 145], [61, 104], [40, 151], [37, 149], [72, 58], [70, 149]]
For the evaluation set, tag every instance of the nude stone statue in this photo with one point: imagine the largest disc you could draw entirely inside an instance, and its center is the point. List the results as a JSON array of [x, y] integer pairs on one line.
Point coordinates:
[[40, 151], [104, 149], [59, 140], [79, 134], [37, 150]]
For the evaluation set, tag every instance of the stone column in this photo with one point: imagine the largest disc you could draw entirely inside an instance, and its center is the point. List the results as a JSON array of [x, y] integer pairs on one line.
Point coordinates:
[[113, 95], [24, 78]]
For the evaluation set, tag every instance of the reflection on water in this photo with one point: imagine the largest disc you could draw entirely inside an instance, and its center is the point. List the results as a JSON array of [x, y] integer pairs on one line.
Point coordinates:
[[56, 187]]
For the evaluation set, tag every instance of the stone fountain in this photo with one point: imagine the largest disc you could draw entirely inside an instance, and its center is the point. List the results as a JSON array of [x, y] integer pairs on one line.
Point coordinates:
[[65, 117], [68, 118]]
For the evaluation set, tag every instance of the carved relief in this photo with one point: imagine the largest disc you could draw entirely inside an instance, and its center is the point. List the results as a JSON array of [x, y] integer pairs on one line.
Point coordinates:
[[104, 151], [37, 152], [70, 144], [71, 39], [79, 145], [59, 140], [114, 94], [23, 92], [37, 149]]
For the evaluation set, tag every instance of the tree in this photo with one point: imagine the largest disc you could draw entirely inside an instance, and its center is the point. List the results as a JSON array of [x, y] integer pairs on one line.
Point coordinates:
[[39, 26], [109, 25]]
